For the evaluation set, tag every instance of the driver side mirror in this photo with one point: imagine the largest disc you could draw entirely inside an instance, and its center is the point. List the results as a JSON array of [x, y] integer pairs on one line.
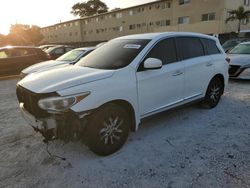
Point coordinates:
[[152, 64]]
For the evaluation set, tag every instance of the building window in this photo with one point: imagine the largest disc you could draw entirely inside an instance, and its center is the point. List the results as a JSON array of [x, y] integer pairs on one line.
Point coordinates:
[[247, 2], [76, 23], [165, 23], [157, 6], [119, 15], [165, 5], [132, 27], [244, 22], [182, 2], [131, 12], [120, 28], [208, 17], [184, 20]]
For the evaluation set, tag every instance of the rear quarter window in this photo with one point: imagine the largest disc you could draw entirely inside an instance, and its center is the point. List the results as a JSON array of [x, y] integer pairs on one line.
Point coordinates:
[[210, 47], [3, 54]]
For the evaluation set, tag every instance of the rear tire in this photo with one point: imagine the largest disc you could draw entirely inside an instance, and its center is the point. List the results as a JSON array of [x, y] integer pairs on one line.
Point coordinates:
[[108, 129], [213, 94]]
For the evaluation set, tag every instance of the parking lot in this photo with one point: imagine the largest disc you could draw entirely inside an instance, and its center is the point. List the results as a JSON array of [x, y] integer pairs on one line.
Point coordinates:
[[187, 147]]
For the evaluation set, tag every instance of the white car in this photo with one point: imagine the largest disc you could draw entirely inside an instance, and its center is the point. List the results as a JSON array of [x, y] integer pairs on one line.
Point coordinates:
[[107, 93], [70, 57], [240, 61]]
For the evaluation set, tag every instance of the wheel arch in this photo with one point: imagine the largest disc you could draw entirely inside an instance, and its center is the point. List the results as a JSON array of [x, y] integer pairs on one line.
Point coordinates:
[[129, 108], [222, 79]]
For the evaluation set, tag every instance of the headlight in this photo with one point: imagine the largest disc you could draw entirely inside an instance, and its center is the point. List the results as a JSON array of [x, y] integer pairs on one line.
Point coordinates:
[[60, 104]]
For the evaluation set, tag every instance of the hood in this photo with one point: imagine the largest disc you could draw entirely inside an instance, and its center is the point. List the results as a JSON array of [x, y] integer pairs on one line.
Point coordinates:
[[62, 78], [46, 65], [239, 59]]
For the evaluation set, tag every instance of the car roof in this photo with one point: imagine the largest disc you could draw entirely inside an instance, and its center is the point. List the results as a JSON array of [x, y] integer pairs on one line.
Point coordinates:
[[20, 47], [86, 48], [165, 34], [60, 46], [48, 45]]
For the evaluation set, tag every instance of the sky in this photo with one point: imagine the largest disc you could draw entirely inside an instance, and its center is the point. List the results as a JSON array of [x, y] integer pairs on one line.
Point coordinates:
[[46, 12]]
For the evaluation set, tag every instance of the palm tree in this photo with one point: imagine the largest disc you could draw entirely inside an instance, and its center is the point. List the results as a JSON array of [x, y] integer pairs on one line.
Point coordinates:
[[239, 14]]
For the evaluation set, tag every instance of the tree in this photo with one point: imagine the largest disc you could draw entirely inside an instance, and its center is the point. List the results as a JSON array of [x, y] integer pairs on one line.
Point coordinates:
[[239, 14], [22, 35], [89, 8], [115, 9]]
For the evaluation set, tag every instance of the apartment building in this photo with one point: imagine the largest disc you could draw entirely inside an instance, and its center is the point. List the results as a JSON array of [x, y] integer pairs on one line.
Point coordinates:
[[203, 16]]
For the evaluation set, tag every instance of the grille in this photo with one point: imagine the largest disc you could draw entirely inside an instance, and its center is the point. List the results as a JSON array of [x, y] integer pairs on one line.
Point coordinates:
[[30, 101], [234, 70]]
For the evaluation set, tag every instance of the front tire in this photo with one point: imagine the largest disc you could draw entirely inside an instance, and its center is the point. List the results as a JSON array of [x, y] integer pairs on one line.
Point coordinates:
[[108, 129], [213, 94]]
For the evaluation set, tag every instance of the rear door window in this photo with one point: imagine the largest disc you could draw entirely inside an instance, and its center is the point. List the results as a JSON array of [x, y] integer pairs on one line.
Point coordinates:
[[210, 47], [165, 50], [189, 47], [68, 49], [59, 51], [28, 52], [3, 54]]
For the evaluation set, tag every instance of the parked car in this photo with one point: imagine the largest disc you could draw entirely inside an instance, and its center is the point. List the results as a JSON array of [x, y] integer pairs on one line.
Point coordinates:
[[46, 47], [240, 61], [58, 51], [105, 95], [230, 44], [70, 57], [13, 59]]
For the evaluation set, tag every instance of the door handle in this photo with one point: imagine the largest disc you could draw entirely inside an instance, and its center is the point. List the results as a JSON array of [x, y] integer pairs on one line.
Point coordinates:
[[209, 64], [177, 73]]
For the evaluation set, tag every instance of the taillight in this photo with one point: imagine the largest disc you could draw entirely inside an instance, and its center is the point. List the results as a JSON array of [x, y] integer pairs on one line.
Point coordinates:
[[228, 59]]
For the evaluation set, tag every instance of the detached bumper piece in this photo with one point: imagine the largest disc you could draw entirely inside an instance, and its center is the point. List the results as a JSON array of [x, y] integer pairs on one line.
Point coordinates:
[[66, 126], [46, 127]]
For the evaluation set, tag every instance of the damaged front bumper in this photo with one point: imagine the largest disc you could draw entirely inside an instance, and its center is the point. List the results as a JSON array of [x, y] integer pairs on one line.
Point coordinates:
[[66, 126]]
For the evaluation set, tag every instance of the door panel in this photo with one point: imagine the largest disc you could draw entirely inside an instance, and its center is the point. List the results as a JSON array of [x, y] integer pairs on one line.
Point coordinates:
[[198, 71], [198, 66], [160, 88]]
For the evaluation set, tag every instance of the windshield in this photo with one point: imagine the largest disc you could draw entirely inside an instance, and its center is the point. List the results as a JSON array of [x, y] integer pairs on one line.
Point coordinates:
[[241, 49], [48, 50], [71, 55], [230, 44], [114, 54]]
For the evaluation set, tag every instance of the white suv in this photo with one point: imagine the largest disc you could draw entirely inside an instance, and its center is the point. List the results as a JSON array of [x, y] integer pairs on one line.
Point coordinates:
[[107, 93]]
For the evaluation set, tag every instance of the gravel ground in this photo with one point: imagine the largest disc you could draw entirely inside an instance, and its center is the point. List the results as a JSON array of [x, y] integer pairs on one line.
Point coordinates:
[[188, 147]]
